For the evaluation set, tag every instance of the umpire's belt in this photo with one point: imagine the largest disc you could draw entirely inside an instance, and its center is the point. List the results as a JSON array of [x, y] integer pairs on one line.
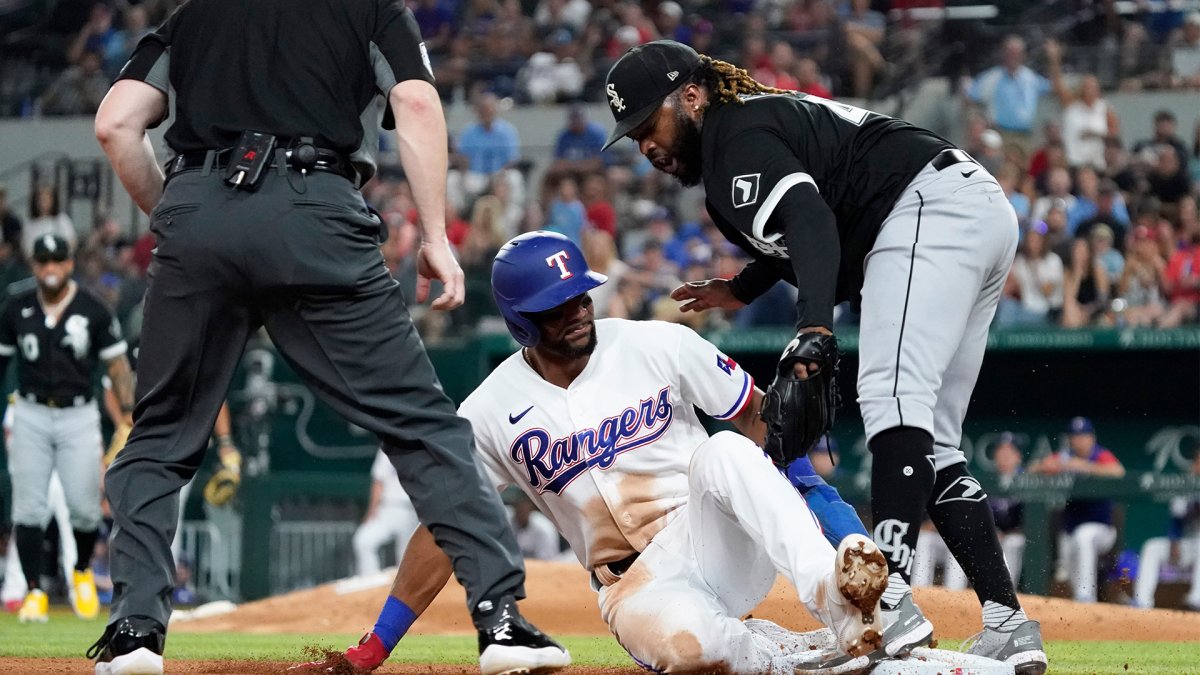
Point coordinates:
[[329, 161], [58, 401], [949, 157], [610, 573]]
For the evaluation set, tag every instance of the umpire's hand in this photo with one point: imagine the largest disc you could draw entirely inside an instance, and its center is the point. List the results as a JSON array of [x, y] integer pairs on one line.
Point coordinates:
[[435, 260]]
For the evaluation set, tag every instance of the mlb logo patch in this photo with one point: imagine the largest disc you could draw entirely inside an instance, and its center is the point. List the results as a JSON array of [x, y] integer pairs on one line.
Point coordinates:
[[745, 190]]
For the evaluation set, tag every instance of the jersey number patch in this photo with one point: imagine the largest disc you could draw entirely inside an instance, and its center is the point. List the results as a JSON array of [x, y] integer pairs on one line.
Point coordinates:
[[29, 346], [849, 113]]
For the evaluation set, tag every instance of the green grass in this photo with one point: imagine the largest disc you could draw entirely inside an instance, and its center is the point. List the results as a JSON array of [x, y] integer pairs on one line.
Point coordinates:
[[67, 637]]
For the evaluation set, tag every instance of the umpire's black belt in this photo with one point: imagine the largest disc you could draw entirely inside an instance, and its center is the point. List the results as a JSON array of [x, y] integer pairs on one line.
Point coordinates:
[[329, 161], [58, 401], [610, 573], [949, 157]]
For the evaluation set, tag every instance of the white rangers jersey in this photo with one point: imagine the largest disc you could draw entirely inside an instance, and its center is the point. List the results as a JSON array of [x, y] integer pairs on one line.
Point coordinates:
[[606, 459]]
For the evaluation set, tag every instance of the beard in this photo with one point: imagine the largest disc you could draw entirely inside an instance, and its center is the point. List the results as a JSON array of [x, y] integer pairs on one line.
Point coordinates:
[[686, 149], [567, 350]]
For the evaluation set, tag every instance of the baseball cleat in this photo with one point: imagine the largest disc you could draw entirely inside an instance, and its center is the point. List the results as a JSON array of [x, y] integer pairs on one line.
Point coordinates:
[[84, 600], [131, 646], [508, 644], [1020, 648], [861, 573], [906, 628], [36, 608]]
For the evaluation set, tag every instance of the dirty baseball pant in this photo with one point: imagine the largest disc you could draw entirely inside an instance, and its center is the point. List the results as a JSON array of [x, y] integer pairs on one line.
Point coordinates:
[[678, 607], [300, 256]]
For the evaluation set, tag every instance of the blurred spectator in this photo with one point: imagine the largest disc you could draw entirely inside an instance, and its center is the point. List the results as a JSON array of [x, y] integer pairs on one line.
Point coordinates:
[[10, 224], [491, 149], [1033, 294], [551, 15], [600, 250], [1165, 133], [1169, 179], [600, 212], [46, 217], [1088, 531], [629, 302], [1087, 119], [779, 67], [512, 213], [670, 23], [390, 517], [1007, 512], [1183, 55], [553, 74], [864, 32], [78, 90], [566, 215], [1043, 157], [484, 238], [1180, 549], [577, 150], [1097, 201], [1139, 286], [1010, 92], [1120, 168], [1058, 189], [98, 36], [436, 24], [809, 79], [1182, 284], [1086, 286], [536, 537], [1101, 237]]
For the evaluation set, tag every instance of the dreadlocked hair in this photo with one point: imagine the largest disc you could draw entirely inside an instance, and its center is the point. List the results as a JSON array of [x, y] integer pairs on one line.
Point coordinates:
[[727, 82]]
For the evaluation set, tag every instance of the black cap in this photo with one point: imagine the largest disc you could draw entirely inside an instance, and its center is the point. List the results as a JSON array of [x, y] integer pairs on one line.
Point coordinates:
[[642, 79], [51, 247]]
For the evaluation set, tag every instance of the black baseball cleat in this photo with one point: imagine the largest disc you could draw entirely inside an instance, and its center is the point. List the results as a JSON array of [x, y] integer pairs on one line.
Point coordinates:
[[130, 646], [508, 644]]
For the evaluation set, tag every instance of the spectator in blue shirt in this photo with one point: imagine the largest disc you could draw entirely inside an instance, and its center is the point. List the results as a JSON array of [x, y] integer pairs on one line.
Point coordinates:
[[1010, 93], [491, 149], [578, 147]]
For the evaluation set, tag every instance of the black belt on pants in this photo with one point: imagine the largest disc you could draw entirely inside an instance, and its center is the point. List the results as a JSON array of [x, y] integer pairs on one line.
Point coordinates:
[[58, 401], [949, 157], [327, 160]]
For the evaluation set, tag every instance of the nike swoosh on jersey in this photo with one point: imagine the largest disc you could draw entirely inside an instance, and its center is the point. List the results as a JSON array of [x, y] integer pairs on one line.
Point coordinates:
[[967, 174], [513, 419]]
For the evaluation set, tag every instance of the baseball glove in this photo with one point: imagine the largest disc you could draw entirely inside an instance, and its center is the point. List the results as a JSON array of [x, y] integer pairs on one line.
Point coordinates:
[[117, 443], [798, 412], [224, 484]]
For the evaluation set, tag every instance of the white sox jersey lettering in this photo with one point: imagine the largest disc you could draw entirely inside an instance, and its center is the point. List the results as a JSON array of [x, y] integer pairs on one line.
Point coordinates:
[[606, 459]]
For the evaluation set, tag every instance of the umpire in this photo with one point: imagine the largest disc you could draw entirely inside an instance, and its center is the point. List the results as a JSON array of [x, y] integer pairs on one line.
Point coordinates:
[[259, 222], [847, 204]]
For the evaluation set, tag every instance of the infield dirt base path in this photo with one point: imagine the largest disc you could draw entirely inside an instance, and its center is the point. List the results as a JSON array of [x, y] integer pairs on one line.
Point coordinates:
[[561, 603]]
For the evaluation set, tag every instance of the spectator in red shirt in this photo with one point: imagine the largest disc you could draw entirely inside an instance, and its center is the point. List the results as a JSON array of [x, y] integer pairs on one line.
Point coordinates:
[[809, 79], [598, 209], [1182, 281]]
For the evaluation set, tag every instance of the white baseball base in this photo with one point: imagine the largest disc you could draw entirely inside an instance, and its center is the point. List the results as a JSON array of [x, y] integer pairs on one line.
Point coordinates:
[[925, 661]]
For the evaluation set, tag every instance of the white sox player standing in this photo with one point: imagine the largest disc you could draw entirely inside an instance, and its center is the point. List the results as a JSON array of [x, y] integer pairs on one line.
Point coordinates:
[[595, 421]]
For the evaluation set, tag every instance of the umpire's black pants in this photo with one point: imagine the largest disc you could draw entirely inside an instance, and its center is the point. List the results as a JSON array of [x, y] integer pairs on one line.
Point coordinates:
[[300, 256]]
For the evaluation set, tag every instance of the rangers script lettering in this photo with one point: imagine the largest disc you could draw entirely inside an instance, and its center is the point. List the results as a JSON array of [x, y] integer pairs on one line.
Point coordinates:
[[551, 465]]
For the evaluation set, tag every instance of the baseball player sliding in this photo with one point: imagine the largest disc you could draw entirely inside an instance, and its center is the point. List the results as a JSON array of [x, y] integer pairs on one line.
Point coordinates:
[[683, 533], [851, 205]]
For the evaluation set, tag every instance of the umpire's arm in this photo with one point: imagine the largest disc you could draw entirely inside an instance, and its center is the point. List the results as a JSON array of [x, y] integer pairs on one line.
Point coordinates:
[[130, 108]]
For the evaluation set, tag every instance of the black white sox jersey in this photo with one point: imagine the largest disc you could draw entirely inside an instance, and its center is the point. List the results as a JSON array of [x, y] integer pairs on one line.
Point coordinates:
[[858, 161], [56, 360]]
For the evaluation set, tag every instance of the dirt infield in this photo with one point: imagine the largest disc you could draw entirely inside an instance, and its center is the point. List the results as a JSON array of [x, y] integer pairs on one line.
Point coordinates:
[[176, 667], [560, 602]]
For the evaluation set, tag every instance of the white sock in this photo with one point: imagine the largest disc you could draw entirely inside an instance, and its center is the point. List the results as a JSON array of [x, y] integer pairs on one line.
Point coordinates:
[[897, 588], [1001, 618]]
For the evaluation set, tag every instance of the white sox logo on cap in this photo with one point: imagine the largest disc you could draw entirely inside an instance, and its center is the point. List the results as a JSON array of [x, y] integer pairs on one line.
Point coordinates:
[[560, 259], [614, 99]]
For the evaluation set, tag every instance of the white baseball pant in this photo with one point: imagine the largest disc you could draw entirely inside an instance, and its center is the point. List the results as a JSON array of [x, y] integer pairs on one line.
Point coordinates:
[[1155, 553], [931, 552], [15, 588], [1079, 553], [44, 440], [677, 608], [388, 523]]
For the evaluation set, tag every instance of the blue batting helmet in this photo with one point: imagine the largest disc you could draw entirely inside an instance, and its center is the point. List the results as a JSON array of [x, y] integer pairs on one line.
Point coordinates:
[[534, 272]]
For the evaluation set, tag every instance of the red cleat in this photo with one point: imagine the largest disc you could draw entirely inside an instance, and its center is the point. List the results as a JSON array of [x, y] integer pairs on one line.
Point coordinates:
[[369, 653]]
